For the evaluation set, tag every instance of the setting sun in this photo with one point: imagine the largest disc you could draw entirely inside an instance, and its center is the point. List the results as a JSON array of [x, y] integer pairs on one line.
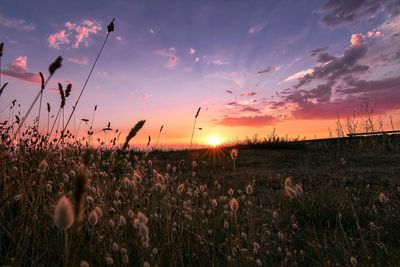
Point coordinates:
[[214, 141]]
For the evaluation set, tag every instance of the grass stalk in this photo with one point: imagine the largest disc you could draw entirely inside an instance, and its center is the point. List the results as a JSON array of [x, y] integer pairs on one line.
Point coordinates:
[[110, 29]]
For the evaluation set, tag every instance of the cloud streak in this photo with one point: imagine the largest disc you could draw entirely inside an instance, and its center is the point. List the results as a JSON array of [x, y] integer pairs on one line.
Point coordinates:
[[18, 69], [15, 23]]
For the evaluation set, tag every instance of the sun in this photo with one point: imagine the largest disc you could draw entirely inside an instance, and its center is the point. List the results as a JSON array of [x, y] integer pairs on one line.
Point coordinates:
[[214, 141]]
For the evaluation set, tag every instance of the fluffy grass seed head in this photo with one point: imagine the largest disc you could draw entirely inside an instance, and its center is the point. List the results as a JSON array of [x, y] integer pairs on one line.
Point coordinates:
[[93, 218], [64, 213], [234, 153], [249, 189], [383, 198], [234, 205]]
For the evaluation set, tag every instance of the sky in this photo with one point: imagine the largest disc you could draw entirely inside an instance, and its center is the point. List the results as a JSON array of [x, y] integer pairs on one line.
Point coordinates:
[[252, 66]]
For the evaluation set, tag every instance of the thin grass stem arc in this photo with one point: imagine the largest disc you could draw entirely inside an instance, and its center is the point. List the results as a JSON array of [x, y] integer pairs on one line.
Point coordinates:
[[84, 85], [40, 108], [194, 126], [159, 134], [55, 120], [31, 107]]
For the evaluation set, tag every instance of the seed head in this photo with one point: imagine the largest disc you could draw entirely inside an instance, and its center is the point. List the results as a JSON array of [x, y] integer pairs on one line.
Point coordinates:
[[249, 189], [234, 153], [64, 213], [93, 218], [383, 198], [234, 205]]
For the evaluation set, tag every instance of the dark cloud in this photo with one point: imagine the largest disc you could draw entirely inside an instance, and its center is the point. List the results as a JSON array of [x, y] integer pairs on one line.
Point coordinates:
[[337, 12], [267, 70], [338, 67], [325, 57], [248, 94], [318, 102], [250, 109], [363, 86], [229, 91], [318, 50], [256, 121]]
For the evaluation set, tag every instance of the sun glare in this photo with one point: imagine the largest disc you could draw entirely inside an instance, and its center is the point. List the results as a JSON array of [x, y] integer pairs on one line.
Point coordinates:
[[214, 141]]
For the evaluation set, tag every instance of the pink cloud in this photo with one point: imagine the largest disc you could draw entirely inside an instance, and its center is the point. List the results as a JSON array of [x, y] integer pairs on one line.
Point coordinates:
[[170, 54], [80, 32], [188, 68], [219, 62], [18, 69], [145, 97], [192, 51], [79, 60], [57, 39]]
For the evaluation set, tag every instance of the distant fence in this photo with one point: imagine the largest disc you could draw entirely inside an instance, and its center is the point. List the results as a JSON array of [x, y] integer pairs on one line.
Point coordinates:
[[353, 137], [374, 133]]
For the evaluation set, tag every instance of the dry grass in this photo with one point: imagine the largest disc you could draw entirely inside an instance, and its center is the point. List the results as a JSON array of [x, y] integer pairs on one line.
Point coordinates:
[[138, 208]]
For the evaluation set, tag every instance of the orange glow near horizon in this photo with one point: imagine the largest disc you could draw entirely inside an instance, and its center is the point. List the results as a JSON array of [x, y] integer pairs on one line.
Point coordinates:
[[214, 141]]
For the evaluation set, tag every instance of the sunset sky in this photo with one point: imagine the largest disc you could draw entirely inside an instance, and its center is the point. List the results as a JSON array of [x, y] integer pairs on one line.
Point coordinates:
[[252, 66]]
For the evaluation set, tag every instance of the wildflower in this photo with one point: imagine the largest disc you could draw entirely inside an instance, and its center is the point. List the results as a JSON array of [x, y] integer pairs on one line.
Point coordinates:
[[180, 188], [64, 213], [249, 189], [194, 164], [256, 247], [43, 165], [99, 211], [130, 214], [122, 220], [299, 189], [49, 188], [89, 200], [234, 153], [111, 223], [231, 192], [290, 192], [259, 262], [353, 261], [84, 264], [281, 236], [383, 198], [214, 203], [146, 264], [93, 218], [226, 225], [142, 217], [275, 215], [109, 260], [125, 259], [115, 246], [234, 205]]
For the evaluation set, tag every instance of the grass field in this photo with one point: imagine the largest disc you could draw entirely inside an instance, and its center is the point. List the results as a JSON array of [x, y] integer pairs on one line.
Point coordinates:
[[190, 208]]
